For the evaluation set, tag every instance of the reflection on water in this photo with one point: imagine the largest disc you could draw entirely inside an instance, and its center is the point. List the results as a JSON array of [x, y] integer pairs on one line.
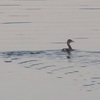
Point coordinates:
[[55, 62]]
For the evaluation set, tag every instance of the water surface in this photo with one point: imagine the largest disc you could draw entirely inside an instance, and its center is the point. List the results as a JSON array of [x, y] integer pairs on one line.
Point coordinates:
[[33, 32]]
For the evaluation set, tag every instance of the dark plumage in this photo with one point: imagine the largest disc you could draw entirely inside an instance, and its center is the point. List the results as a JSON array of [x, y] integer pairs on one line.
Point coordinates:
[[69, 49]]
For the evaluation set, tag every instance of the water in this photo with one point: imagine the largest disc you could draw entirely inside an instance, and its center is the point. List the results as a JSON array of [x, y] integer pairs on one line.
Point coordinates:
[[56, 63], [33, 33]]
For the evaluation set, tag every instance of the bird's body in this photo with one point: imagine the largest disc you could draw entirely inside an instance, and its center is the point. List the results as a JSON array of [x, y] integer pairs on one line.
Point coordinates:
[[69, 49]]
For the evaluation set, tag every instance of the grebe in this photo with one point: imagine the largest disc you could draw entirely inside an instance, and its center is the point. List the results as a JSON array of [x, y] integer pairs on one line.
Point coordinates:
[[69, 49]]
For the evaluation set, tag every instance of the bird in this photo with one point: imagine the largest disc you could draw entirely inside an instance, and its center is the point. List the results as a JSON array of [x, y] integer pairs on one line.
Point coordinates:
[[69, 49]]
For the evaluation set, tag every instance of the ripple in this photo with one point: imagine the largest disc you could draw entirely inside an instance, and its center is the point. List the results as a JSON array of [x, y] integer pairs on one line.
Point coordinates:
[[88, 84], [95, 77], [33, 65], [46, 67], [72, 72], [29, 0], [19, 15], [90, 8], [8, 61], [54, 62], [27, 61], [21, 53], [82, 38], [10, 5], [15, 22], [33, 9]]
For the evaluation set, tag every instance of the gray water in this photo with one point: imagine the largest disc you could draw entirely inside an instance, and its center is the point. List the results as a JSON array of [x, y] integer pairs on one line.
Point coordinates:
[[33, 33]]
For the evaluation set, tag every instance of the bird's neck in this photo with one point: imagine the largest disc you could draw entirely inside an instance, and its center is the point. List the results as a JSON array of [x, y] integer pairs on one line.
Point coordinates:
[[69, 46]]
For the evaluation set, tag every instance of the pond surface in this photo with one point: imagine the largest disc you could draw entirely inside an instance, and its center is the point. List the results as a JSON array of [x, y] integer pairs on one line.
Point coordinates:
[[33, 32]]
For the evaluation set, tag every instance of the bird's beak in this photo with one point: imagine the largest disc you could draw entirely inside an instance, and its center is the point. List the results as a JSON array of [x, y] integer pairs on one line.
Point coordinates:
[[72, 41]]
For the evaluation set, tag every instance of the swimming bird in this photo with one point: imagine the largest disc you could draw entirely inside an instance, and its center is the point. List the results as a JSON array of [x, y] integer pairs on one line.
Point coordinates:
[[69, 49]]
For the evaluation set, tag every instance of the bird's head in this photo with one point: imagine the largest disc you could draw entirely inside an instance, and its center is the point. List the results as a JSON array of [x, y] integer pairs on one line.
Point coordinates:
[[69, 41]]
